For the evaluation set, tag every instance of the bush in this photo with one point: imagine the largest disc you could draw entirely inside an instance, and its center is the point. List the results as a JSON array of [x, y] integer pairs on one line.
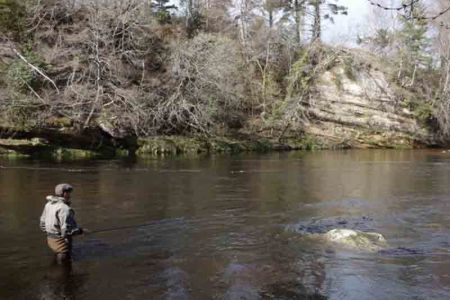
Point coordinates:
[[21, 112], [21, 77], [209, 85], [12, 18]]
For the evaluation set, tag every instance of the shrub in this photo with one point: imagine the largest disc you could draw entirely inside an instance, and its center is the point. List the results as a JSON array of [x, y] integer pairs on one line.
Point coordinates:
[[21, 77], [209, 86], [12, 18]]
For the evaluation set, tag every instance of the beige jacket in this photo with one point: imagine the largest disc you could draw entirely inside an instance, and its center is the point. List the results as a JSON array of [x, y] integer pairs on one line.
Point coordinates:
[[58, 218]]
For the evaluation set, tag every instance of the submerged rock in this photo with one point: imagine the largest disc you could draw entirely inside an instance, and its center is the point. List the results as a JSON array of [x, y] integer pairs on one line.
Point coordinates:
[[356, 240], [350, 232], [318, 226], [403, 251]]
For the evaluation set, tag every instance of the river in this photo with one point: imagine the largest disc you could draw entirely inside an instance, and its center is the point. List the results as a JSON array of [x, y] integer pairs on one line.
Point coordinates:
[[232, 227]]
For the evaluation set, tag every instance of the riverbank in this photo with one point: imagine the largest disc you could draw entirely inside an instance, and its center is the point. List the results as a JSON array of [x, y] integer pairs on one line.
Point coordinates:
[[91, 144], [149, 147], [167, 93]]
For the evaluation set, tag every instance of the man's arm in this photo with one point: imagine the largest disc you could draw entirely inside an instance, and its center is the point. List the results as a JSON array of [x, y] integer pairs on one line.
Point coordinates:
[[69, 226], [42, 220]]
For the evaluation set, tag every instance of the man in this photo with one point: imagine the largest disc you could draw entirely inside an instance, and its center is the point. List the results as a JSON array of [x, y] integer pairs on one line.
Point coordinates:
[[58, 221]]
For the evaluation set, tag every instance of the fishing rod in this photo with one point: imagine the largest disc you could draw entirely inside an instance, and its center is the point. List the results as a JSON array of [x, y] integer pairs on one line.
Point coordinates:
[[158, 222]]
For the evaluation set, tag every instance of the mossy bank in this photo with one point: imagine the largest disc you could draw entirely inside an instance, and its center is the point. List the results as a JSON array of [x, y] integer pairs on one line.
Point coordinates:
[[150, 147]]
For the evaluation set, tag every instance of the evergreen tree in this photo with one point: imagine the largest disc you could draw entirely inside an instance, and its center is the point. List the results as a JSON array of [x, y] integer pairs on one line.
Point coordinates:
[[293, 16], [414, 44], [271, 7], [325, 9], [162, 9], [194, 17], [298, 9]]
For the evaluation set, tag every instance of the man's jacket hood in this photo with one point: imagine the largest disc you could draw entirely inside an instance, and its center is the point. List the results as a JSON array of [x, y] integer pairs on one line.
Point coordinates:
[[55, 199]]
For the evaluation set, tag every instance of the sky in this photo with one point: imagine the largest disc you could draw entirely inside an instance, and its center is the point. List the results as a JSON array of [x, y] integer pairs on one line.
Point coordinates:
[[346, 28]]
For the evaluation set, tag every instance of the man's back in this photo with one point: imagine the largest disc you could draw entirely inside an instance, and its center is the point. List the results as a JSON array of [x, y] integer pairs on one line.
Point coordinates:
[[55, 216], [58, 221]]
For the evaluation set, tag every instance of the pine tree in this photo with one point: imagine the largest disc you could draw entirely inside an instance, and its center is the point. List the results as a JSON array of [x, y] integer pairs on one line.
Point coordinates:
[[413, 44], [162, 10], [272, 7], [325, 9]]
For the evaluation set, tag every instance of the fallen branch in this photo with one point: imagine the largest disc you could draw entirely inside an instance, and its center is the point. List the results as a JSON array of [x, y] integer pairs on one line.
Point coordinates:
[[35, 68]]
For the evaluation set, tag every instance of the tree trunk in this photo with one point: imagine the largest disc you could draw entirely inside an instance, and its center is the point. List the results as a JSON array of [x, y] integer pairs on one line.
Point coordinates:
[[189, 14], [270, 18], [243, 23], [317, 26], [298, 20]]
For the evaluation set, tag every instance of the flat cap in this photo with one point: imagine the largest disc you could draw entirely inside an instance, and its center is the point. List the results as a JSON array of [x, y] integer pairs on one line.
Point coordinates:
[[61, 188]]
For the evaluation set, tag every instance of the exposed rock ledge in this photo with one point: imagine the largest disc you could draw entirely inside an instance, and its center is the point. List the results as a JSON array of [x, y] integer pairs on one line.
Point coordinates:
[[359, 107]]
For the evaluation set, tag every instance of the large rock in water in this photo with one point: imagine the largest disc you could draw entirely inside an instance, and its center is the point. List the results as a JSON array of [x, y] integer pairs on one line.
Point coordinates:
[[357, 104], [356, 240]]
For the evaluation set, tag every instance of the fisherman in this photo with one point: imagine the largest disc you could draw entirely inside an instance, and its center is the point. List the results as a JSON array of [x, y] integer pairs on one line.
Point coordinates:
[[58, 221]]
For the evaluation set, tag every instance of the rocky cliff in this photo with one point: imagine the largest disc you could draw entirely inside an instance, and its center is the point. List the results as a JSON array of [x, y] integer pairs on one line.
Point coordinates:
[[354, 102], [359, 105]]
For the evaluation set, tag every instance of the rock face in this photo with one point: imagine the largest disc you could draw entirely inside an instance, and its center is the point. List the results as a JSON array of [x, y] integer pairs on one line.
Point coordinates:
[[361, 108], [356, 240], [55, 143]]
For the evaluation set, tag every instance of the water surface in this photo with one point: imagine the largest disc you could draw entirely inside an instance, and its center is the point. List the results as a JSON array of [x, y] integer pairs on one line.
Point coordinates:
[[233, 227]]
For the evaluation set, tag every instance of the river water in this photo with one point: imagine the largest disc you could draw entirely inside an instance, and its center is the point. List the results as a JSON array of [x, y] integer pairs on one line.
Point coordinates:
[[233, 227]]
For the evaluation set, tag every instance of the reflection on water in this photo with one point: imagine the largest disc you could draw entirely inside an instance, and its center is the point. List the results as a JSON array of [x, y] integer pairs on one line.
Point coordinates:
[[233, 227]]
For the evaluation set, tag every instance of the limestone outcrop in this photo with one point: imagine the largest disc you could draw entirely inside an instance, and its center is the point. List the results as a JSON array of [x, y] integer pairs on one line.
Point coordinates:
[[358, 105]]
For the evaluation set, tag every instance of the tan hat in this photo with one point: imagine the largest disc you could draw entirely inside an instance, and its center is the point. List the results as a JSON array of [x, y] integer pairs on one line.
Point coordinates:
[[61, 188]]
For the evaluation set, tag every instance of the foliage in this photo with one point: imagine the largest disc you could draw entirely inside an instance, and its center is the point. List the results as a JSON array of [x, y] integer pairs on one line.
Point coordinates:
[[325, 9], [21, 111], [12, 18], [21, 77], [380, 42], [195, 19], [162, 10], [130, 74], [349, 68], [424, 111], [413, 45], [195, 23], [299, 77]]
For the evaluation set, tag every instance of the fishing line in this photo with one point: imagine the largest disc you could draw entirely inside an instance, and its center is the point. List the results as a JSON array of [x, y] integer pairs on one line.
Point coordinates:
[[159, 222]]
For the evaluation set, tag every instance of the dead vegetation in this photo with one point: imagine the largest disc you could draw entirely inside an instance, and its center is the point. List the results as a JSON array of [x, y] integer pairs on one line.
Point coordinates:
[[117, 66]]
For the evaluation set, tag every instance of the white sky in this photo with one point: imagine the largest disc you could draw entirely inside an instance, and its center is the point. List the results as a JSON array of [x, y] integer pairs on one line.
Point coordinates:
[[346, 28]]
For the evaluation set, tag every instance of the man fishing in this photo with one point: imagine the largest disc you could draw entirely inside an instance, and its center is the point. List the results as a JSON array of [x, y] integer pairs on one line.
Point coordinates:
[[58, 221]]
